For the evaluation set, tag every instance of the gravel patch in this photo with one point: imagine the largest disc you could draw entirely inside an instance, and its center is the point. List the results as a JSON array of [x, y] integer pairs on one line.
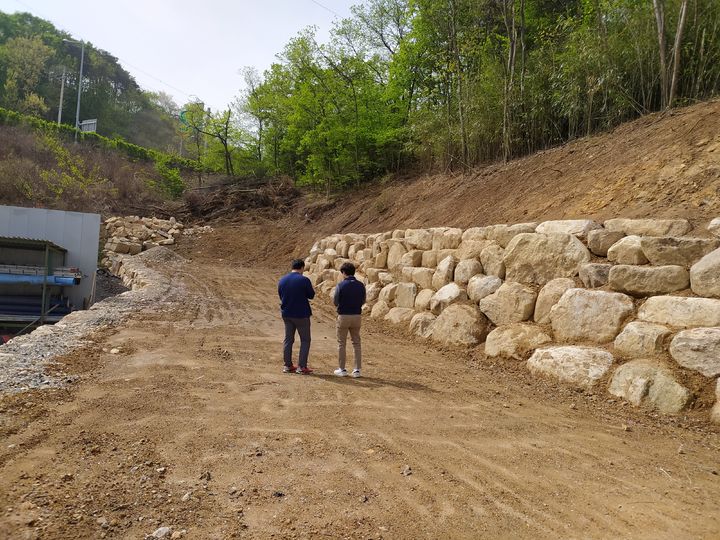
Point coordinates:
[[24, 359]]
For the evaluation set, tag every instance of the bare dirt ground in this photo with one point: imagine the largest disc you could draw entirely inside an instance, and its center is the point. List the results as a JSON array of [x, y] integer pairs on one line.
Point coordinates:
[[192, 425]]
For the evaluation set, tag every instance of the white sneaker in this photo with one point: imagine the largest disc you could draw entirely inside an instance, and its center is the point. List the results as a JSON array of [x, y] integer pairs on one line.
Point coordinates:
[[355, 373], [340, 372]]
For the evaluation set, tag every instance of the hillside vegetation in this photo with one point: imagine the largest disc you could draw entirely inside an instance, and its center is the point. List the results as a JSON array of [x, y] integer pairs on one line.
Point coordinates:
[[401, 86], [39, 167]]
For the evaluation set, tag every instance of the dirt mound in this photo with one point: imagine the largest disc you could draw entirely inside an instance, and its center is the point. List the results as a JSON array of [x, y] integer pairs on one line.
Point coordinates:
[[273, 197]]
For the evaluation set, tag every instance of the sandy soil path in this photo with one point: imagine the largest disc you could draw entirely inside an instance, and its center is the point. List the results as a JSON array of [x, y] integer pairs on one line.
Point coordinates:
[[193, 426]]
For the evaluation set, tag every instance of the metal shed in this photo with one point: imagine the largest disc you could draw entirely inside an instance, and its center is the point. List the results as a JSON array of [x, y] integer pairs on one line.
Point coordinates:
[[43, 250]]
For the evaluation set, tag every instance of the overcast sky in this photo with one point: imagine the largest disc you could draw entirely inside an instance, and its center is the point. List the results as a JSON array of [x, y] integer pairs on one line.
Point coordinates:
[[188, 47]]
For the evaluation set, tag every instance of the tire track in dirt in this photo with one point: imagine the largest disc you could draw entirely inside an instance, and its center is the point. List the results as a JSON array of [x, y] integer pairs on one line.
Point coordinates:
[[198, 389]]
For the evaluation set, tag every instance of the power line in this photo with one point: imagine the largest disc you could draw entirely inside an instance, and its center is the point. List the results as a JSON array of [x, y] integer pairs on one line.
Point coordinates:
[[325, 7], [44, 15]]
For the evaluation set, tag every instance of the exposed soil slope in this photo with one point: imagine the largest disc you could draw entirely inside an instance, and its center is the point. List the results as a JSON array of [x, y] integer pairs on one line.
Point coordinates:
[[663, 165]]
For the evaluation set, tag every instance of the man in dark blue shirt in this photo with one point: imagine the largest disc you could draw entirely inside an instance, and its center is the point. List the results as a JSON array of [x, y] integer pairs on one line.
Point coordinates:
[[349, 299], [295, 291]]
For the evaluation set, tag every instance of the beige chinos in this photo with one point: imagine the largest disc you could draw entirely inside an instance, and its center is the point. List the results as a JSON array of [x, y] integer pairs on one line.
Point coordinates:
[[345, 324]]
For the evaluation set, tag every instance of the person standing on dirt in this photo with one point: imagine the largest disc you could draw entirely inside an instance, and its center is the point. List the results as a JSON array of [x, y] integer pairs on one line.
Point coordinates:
[[295, 291], [349, 299]]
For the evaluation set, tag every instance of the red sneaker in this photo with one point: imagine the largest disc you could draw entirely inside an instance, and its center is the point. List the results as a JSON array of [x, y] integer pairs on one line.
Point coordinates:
[[289, 369], [304, 370]]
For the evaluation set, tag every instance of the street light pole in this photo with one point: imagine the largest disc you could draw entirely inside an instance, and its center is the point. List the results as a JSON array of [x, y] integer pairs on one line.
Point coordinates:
[[62, 91], [79, 91]]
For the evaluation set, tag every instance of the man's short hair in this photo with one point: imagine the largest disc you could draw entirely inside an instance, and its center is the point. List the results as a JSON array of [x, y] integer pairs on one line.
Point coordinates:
[[297, 264], [348, 269]]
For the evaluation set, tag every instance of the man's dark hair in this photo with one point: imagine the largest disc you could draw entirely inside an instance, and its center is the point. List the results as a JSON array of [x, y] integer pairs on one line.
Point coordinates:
[[297, 264], [348, 269]]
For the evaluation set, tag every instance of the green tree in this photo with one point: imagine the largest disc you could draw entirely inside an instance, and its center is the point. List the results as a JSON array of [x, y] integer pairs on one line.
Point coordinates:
[[25, 59]]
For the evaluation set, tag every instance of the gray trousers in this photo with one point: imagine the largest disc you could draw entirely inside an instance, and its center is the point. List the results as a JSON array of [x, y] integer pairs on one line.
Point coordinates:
[[345, 324], [302, 326]]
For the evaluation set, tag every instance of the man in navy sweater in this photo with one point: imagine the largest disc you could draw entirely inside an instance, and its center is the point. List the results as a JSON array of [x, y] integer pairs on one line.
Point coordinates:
[[349, 299], [295, 291]]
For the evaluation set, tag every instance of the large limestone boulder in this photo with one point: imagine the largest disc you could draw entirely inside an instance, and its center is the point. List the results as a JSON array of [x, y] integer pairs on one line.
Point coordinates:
[[398, 315], [385, 278], [594, 275], [627, 250], [379, 310], [429, 259], [538, 258], [662, 250], [502, 234], [492, 260], [643, 381], [714, 228], [444, 272], [423, 298], [323, 263], [395, 254], [649, 227], [641, 340], [387, 294], [381, 258], [648, 280], [337, 263], [515, 340], [405, 294], [580, 366], [406, 273], [451, 293], [460, 325], [576, 227], [373, 274], [418, 239], [466, 269], [446, 238], [594, 316], [481, 286], [705, 275], [372, 292], [355, 249], [421, 324], [422, 277], [475, 234], [471, 249], [511, 303], [698, 349], [681, 312], [411, 258], [600, 240], [550, 295]]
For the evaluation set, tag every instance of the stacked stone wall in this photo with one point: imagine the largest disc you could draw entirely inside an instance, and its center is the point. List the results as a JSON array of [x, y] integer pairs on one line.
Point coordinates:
[[634, 302], [130, 235]]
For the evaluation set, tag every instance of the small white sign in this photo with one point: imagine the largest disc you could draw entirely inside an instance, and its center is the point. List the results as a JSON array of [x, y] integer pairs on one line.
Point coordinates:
[[89, 125]]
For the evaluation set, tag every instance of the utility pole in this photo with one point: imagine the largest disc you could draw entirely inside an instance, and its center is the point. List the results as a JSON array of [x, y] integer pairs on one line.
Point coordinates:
[[62, 91], [79, 90]]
